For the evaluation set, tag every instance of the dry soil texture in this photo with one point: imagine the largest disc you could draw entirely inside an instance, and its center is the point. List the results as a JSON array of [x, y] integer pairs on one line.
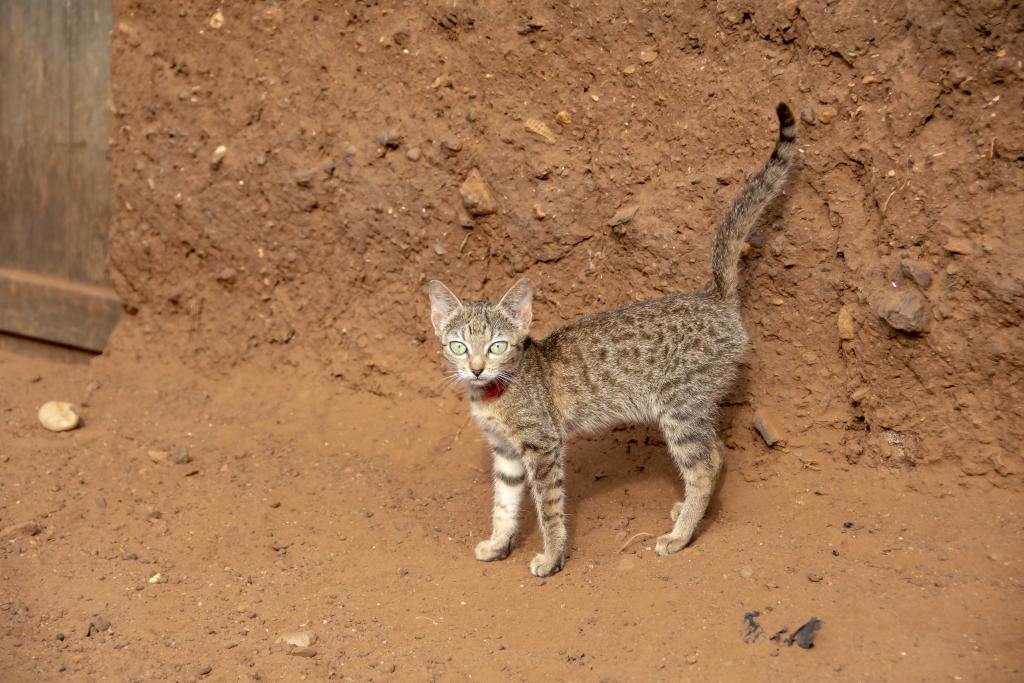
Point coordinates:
[[287, 179]]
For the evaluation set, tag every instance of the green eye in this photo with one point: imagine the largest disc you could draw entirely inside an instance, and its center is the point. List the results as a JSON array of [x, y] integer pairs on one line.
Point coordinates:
[[457, 347], [499, 347]]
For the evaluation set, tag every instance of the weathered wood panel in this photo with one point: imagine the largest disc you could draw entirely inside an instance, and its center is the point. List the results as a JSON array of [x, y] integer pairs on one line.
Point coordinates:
[[88, 216], [34, 134], [66, 312], [55, 184]]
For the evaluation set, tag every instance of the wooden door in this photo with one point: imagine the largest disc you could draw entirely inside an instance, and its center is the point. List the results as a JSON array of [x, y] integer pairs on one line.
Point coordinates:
[[55, 183]]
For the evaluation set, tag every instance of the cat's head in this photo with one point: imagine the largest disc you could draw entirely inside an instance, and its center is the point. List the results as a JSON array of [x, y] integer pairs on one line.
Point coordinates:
[[482, 341]]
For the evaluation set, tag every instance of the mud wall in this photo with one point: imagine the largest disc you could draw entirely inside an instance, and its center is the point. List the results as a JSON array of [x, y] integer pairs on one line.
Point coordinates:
[[287, 179]]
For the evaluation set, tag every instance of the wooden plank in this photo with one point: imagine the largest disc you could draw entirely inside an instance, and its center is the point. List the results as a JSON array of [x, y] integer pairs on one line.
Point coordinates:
[[57, 310], [90, 185], [34, 135], [23, 346]]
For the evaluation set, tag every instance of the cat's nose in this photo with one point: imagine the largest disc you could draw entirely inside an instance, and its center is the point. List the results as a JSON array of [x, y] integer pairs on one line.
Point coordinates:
[[476, 372]]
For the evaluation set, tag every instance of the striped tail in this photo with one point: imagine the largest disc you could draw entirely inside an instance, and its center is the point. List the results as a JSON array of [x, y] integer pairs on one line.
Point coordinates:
[[744, 212]]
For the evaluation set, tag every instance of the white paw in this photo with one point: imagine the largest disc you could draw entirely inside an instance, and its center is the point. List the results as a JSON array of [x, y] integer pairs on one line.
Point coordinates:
[[676, 509], [543, 565], [670, 543], [489, 551]]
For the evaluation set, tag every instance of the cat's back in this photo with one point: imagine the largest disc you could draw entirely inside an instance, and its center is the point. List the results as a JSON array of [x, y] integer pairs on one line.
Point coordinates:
[[615, 363], [687, 319]]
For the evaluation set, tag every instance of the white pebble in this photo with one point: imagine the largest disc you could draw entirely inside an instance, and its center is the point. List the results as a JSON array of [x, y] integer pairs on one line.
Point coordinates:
[[58, 416], [298, 638]]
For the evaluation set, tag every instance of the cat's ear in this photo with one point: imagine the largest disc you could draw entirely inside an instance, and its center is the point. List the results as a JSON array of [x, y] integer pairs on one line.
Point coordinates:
[[518, 301], [443, 304]]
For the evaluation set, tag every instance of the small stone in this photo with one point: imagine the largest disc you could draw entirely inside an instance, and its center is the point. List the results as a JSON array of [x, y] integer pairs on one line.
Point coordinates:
[[563, 118], [975, 469], [58, 416], [22, 529], [814, 578], [389, 139], [648, 56], [1003, 69], [276, 504], [60, 636], [766, 425], [905, 310], [540, 129], [691, 658], [297, 638], [101, 502], [182, 457], [807, 116], [476, 197], [826, 115], [538, 212], [917, 273], [302, 652], [451, 146], [746, 572], [227, 275], [97, 624], [858, 395], [159, 456], [218, 156], [204, 671], [845, 322], [388, 668], [959, 245], [413, 154], [217, 20], [623, 215], [1000, 466], [629, 70]]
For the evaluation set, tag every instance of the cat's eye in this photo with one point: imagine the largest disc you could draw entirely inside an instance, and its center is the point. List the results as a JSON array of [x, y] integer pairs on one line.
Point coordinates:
[[457, 347], [499, 347]]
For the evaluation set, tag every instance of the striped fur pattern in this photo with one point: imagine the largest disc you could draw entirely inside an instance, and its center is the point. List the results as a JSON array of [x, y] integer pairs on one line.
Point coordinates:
[[667, 361]]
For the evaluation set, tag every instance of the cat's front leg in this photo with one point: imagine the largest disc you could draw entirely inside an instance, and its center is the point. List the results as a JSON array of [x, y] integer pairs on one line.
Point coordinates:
[[509, 480], [547, 484]]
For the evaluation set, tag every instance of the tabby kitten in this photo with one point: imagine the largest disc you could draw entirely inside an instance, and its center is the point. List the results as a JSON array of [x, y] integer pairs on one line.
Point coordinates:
[[668, 361]]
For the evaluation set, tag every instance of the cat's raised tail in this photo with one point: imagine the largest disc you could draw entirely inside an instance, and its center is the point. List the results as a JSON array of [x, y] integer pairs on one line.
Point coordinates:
[[744, 212]]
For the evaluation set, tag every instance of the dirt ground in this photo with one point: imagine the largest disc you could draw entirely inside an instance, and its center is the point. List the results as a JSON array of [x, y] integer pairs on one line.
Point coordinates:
[[278, 330]]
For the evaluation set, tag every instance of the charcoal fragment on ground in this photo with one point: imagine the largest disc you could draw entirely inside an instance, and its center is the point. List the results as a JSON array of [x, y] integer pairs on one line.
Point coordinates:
[[753, 630], [804, 636]]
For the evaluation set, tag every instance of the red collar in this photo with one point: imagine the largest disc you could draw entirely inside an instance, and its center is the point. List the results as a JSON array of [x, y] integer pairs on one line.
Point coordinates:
[[494, 390]]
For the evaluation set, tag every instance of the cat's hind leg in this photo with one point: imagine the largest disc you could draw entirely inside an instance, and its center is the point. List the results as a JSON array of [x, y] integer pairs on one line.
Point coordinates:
[[509, 481], [698, 455]]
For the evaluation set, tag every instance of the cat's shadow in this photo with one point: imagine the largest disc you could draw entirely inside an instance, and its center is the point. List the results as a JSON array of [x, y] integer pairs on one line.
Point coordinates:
[[612, 472], [604, 468]]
